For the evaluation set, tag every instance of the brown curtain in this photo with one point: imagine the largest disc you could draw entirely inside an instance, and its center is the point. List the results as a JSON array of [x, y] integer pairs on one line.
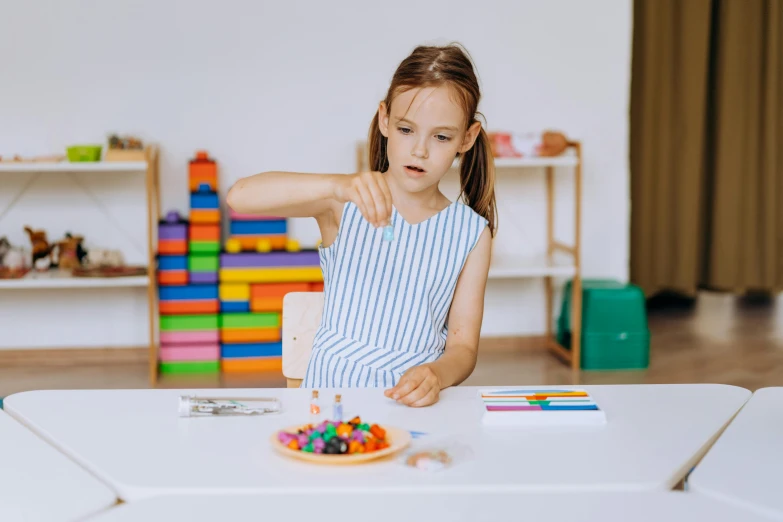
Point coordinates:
[[707, 145]]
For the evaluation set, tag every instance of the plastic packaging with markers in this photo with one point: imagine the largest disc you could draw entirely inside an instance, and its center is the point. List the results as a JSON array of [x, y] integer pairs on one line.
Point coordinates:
[[195, 406]]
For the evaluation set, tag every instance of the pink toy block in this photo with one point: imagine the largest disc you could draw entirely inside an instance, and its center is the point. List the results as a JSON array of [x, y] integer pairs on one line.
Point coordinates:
[[189, 352], [203, 337]]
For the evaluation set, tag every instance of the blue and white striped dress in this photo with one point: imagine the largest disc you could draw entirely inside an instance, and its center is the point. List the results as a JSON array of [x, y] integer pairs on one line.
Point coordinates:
[[386, 302]]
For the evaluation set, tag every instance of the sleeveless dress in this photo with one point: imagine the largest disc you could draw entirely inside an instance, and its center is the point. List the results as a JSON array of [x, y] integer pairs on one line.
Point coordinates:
[[386, 303]]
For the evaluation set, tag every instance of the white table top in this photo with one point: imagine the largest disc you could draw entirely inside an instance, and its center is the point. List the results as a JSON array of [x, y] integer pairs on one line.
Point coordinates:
[[135, 441], [473, 507], [38, 483], [744, 466]]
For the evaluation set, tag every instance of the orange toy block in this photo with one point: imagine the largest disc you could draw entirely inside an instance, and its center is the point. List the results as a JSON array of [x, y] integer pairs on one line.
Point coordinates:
[[173, 277], [202, 170], [249, 335], [201, 216], [189, 307], [173, 246], [269, 297], [263, 364], [205, 232], [316, 287]]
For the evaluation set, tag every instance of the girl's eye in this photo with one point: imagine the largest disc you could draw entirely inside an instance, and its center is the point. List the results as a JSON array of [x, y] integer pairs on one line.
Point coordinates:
[[404, 130], [441, 137]]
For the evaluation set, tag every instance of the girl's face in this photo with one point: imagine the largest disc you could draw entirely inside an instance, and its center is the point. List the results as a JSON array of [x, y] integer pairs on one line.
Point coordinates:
[[425, 130]]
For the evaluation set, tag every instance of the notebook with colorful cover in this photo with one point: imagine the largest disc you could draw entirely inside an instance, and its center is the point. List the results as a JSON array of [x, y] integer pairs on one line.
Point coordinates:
[[539, 407]]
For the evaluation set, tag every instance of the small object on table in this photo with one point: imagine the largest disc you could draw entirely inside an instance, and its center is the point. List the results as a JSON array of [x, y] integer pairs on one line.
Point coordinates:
[[194, 406], [339, 442], [315, 408], [337, 410], [429, 460]]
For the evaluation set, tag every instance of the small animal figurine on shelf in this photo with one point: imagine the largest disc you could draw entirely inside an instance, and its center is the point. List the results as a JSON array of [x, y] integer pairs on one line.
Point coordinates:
[[68, 252], [41, 249]]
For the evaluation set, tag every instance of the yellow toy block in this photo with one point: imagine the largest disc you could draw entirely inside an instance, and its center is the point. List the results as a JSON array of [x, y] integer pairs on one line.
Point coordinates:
[[271, 275], [292, 245], [233, 246], [235, 292]]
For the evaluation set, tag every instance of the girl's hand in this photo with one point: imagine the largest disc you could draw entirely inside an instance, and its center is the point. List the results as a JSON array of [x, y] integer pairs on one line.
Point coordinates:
[[369, 192], [419, 386]]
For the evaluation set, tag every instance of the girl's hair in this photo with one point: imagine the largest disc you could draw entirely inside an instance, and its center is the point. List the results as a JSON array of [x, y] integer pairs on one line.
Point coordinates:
[[433, 67]]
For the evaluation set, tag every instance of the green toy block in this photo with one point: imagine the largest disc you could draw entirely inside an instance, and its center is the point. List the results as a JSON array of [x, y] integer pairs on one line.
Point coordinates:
[[203, 263], [251, 320], [615, 335], [190, 367], [177, 323], [204, 247]]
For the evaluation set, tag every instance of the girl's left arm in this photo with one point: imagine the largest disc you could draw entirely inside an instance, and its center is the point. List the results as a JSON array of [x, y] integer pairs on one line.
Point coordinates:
[[421, 385]]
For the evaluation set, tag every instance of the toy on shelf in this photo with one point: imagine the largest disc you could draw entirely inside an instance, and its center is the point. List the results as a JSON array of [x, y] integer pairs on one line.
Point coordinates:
[[530, 144], [124, 148], [41, 249], [15, 262], [69, 252]]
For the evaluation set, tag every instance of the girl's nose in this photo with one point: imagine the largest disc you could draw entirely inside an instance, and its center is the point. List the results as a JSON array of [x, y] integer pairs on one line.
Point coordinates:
[[419, 149]]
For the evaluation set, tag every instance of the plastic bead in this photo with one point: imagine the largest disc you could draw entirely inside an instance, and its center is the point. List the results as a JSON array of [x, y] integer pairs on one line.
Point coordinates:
[[308, 448], [378, 432], [319, 445], [294, 445], [344, 430]]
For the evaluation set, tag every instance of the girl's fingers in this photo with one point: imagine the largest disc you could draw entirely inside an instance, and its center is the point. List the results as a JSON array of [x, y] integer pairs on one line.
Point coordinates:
[[419, 393], [384, 186], [430, 398], [369, 206], [383, 211]]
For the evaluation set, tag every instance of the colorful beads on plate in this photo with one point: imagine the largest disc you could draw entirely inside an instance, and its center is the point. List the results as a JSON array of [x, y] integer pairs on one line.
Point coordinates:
[[336, 438]]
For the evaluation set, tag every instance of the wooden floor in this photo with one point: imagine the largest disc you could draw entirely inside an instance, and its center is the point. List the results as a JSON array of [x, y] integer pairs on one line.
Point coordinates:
[[718, 339]]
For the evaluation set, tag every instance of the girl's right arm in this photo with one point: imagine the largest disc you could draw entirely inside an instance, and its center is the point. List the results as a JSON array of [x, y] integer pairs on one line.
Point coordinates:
[[322, 196]]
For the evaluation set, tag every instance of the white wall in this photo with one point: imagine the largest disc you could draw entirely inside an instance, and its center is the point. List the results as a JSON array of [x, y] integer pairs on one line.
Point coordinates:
[[277, 85]]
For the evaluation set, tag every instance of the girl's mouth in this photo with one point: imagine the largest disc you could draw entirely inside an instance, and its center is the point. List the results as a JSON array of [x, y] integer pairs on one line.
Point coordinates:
[[414, 171]]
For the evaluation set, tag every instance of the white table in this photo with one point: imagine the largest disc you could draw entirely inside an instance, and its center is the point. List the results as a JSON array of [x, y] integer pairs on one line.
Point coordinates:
[[473, 507], [745, 465], [38, 483], [135, 441]]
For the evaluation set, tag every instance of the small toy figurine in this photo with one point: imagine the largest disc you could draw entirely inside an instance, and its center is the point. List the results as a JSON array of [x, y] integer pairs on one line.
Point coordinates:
[[69, 251], [41, 248]]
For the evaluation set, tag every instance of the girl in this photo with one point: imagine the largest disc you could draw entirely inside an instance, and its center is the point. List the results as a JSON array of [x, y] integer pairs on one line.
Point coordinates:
[[404, 312]]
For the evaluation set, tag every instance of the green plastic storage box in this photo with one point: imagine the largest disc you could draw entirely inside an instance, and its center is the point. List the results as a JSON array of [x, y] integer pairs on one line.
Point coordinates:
[[615, 335]]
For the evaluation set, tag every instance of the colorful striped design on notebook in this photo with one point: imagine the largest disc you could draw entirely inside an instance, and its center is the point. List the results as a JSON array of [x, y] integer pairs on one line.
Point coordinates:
[[538, 400]]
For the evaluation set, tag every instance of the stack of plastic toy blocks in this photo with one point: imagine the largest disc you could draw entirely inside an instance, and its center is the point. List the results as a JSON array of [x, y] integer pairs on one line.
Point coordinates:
[[188, 275], [260, 266]]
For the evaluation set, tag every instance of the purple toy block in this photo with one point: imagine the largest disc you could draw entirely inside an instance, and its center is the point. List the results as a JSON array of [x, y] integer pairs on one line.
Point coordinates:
[[178, 231], [203, 277], [271, 259]]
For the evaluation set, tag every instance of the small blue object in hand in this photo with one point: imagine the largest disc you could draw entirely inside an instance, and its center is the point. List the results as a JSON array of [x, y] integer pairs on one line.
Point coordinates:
[[388, 233]]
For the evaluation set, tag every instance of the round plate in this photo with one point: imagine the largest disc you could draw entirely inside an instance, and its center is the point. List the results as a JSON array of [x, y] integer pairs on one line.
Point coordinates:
[[398, 440]]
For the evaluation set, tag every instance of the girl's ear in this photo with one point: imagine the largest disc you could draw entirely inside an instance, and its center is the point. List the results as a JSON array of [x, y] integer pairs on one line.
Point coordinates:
[[383, 119], [470, 137]]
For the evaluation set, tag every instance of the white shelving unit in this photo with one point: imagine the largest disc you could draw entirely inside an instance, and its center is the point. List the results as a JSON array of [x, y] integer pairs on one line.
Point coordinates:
[[62, 279], [66, 166], [56, 279], [559, 260]]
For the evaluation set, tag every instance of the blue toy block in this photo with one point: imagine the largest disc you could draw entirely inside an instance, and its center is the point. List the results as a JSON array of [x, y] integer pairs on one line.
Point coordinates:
[[235, 306], [173, 262], [258, 228], [231, 351], [188, 292], [204, 201]]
